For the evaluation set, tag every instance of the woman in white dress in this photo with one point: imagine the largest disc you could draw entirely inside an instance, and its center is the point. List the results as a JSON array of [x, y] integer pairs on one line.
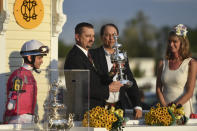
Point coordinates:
[[176, 74]]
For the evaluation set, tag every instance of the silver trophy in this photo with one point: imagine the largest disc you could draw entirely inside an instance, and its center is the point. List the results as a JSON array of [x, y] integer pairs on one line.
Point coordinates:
[[56, 114], [119, 58]]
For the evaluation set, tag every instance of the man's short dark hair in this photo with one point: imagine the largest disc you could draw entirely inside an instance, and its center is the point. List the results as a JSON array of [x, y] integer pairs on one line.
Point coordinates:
[[104, 26], [79, 27]]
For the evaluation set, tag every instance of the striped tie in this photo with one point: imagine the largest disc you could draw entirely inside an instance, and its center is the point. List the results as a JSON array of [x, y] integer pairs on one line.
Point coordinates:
[[90, 58]]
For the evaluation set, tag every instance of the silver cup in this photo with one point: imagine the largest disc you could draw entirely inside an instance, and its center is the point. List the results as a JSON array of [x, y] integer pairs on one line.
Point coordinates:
[[55, 110], [119, 58]]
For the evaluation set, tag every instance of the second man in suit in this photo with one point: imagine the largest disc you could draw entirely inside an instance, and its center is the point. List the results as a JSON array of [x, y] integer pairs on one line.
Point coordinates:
[[102, 61]]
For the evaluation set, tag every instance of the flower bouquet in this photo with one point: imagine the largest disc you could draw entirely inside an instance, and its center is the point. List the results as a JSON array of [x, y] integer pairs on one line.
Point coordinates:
[[101, 117], [179, 114], [166, 116]]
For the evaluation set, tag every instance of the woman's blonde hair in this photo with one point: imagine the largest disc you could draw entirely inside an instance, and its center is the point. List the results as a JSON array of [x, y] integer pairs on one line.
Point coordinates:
[[184, 50]]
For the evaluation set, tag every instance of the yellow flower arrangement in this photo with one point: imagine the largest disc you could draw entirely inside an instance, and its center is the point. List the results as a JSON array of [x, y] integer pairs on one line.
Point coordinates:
[[101, 117], [165, 116], [158, 116]]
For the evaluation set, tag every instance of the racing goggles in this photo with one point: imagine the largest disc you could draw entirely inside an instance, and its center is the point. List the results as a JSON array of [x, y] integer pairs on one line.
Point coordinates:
[[43, 50]]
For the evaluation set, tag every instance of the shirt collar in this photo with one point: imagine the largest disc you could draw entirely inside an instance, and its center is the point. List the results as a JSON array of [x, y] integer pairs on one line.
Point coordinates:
[[28, 67], [106, 53], [82, 49]]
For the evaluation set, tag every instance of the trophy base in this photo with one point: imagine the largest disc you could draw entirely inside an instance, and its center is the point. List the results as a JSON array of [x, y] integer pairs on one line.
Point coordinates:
[[126, 83], [57, 124]]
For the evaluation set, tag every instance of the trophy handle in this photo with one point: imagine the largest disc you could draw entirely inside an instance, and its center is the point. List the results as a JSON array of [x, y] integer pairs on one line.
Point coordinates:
[[70, 122]]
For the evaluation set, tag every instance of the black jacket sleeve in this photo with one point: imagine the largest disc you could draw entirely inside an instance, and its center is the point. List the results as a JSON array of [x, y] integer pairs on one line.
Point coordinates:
[[132, 92]]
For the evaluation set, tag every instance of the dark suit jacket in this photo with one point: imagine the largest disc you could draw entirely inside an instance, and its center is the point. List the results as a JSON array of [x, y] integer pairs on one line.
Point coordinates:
[[132, 93], [76, 59]]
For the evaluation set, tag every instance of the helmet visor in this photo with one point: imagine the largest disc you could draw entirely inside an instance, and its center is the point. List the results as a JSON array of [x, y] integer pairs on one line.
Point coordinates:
[[43, 50]]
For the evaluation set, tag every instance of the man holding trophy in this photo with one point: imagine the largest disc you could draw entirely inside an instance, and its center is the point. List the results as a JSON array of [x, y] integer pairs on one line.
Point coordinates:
[[112, 65], [79, 58]]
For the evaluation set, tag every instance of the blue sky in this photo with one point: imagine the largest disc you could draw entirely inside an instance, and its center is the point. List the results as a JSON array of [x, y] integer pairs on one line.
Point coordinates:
[[97, 12]]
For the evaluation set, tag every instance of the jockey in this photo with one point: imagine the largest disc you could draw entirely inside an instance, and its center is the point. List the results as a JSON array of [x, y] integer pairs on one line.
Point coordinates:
[[22, 86]]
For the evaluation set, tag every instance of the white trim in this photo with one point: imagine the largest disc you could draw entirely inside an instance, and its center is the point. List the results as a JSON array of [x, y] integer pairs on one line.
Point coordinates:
[[2, 55], [2, 75], [58, 20], [4, 20]]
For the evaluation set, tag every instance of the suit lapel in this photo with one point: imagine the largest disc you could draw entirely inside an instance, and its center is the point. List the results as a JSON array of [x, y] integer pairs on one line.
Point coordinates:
[[85, 58], [103, 59]]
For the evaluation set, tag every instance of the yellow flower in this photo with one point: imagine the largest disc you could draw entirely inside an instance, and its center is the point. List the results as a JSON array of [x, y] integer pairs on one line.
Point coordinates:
[[112, 109], [119, 112], [100, 117]]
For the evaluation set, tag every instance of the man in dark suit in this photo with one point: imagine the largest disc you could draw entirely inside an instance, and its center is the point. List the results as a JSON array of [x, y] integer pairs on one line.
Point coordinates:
[[78, 58], [102, 61]]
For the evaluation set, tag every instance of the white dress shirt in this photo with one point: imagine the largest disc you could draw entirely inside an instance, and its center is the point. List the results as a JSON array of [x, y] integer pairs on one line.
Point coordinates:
[[82, 49], [114, 96]]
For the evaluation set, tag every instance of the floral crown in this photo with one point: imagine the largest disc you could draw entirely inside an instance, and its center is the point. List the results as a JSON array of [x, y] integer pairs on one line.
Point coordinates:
[[180, 30]]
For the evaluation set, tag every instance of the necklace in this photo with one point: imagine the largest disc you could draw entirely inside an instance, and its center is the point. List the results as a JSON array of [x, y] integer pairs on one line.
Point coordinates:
[[174, 63]]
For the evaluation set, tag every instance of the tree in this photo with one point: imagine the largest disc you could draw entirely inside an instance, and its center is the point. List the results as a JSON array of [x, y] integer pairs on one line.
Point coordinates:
[[97, 41], [162, 37], [193, 41], [63, 49], [139, 37]]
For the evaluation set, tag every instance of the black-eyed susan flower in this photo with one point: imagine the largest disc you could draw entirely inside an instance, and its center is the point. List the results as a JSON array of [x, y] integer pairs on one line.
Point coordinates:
[[101, 117]]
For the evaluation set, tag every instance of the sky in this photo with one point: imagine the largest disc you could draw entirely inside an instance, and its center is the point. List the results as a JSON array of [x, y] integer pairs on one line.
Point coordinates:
[[97, 12]]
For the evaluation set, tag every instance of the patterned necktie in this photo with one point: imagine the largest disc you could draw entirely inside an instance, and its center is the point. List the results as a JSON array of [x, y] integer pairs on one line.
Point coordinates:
[[90, 58]]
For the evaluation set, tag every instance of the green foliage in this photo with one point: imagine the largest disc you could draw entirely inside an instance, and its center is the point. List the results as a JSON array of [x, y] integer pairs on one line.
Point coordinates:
[[139, 37], [97, 41], [137, 72], [118, 124], [63, 49], [193, 41]]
